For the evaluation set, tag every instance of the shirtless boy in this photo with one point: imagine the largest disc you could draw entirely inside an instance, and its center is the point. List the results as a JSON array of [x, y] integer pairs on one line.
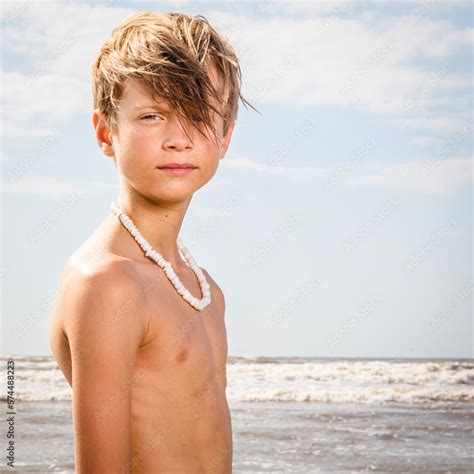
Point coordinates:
[[147, 367]]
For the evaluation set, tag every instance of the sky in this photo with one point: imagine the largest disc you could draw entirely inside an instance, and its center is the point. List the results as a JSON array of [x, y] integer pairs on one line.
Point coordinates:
[[339, 224]]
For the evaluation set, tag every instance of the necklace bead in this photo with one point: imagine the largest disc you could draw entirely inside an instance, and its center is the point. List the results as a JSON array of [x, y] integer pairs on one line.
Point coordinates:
[[150, 252]]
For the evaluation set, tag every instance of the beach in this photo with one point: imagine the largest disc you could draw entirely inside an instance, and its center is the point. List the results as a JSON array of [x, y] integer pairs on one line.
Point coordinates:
[[294, 415]]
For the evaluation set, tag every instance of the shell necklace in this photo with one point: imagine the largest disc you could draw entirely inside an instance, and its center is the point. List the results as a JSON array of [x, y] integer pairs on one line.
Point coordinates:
[[166, 266]]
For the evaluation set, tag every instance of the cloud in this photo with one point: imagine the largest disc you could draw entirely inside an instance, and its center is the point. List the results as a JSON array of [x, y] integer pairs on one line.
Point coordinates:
[[205, 211], [59, 41], [247, 164], [40, 186], [423, 140], [340, 7], [380, 63], [16, 131], [435, 175], [397, 65], [429, 176], [50, 97], [319, 8], [440, 124]]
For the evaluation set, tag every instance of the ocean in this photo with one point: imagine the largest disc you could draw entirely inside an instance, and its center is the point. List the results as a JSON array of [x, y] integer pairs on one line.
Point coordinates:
[[290, 415]]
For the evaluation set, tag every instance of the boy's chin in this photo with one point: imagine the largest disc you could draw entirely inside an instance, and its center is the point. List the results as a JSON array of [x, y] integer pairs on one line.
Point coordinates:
[[174, 190], [174, 195]]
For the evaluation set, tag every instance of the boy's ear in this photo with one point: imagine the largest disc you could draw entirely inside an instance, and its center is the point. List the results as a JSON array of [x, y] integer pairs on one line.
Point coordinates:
[[226, 139], [102, 132]]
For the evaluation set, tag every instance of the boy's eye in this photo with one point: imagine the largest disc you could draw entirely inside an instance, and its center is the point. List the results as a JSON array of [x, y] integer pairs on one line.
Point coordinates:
[[149, 117]]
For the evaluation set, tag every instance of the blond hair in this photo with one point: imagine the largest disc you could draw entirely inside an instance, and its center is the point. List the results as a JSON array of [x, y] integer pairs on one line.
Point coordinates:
[[170, 55]]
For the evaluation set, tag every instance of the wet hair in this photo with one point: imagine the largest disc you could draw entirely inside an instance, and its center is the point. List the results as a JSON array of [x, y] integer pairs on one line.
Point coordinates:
[[170, 55]]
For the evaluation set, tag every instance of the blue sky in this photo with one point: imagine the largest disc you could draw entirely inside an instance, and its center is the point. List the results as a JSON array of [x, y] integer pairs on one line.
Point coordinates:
[[339, 223]]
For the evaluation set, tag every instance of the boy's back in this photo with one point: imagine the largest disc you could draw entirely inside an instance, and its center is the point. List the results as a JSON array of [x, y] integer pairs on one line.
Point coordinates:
[[148, 370]]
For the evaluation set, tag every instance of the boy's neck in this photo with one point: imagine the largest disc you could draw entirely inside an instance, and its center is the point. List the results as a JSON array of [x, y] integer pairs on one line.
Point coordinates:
[[159, 224]]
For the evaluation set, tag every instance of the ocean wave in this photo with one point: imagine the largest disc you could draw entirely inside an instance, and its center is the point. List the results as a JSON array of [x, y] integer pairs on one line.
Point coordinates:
[[268, 379], [368, 395]]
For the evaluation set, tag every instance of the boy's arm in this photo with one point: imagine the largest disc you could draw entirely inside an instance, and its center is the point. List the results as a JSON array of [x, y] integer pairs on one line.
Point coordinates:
[[105, 327]]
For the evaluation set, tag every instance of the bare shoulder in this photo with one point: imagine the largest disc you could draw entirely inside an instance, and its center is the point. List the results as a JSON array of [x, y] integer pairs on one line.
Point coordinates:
[[215, 290], [104, 314], [110, 282]]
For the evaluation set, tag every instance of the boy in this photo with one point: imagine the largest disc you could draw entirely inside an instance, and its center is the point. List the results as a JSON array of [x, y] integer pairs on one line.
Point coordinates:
[[137, 329]]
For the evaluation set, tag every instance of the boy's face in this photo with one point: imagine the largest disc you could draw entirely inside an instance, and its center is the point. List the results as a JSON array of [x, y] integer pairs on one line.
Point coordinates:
[[149, 136]]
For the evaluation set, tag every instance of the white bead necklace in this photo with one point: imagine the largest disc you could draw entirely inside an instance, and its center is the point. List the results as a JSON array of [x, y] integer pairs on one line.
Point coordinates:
[[166, 266]]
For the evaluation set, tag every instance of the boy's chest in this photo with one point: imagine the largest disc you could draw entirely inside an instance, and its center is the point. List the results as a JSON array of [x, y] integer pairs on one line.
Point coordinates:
[[180, 339]]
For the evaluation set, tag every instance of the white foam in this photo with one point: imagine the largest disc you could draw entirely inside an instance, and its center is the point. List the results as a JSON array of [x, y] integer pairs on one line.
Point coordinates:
[[261, 380]]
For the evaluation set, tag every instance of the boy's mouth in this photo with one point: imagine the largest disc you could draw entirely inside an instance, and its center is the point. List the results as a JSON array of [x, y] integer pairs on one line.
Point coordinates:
[[178, 166], [178, 169]]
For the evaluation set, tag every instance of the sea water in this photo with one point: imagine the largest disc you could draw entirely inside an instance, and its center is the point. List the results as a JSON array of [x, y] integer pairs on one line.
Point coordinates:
[[296, 415]]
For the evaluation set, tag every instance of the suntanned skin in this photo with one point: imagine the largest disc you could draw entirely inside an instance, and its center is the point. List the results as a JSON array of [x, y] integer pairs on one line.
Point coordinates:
[[147, 370]]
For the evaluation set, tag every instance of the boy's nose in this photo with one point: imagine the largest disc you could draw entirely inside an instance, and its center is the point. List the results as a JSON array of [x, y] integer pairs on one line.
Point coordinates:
[[176, 137]]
